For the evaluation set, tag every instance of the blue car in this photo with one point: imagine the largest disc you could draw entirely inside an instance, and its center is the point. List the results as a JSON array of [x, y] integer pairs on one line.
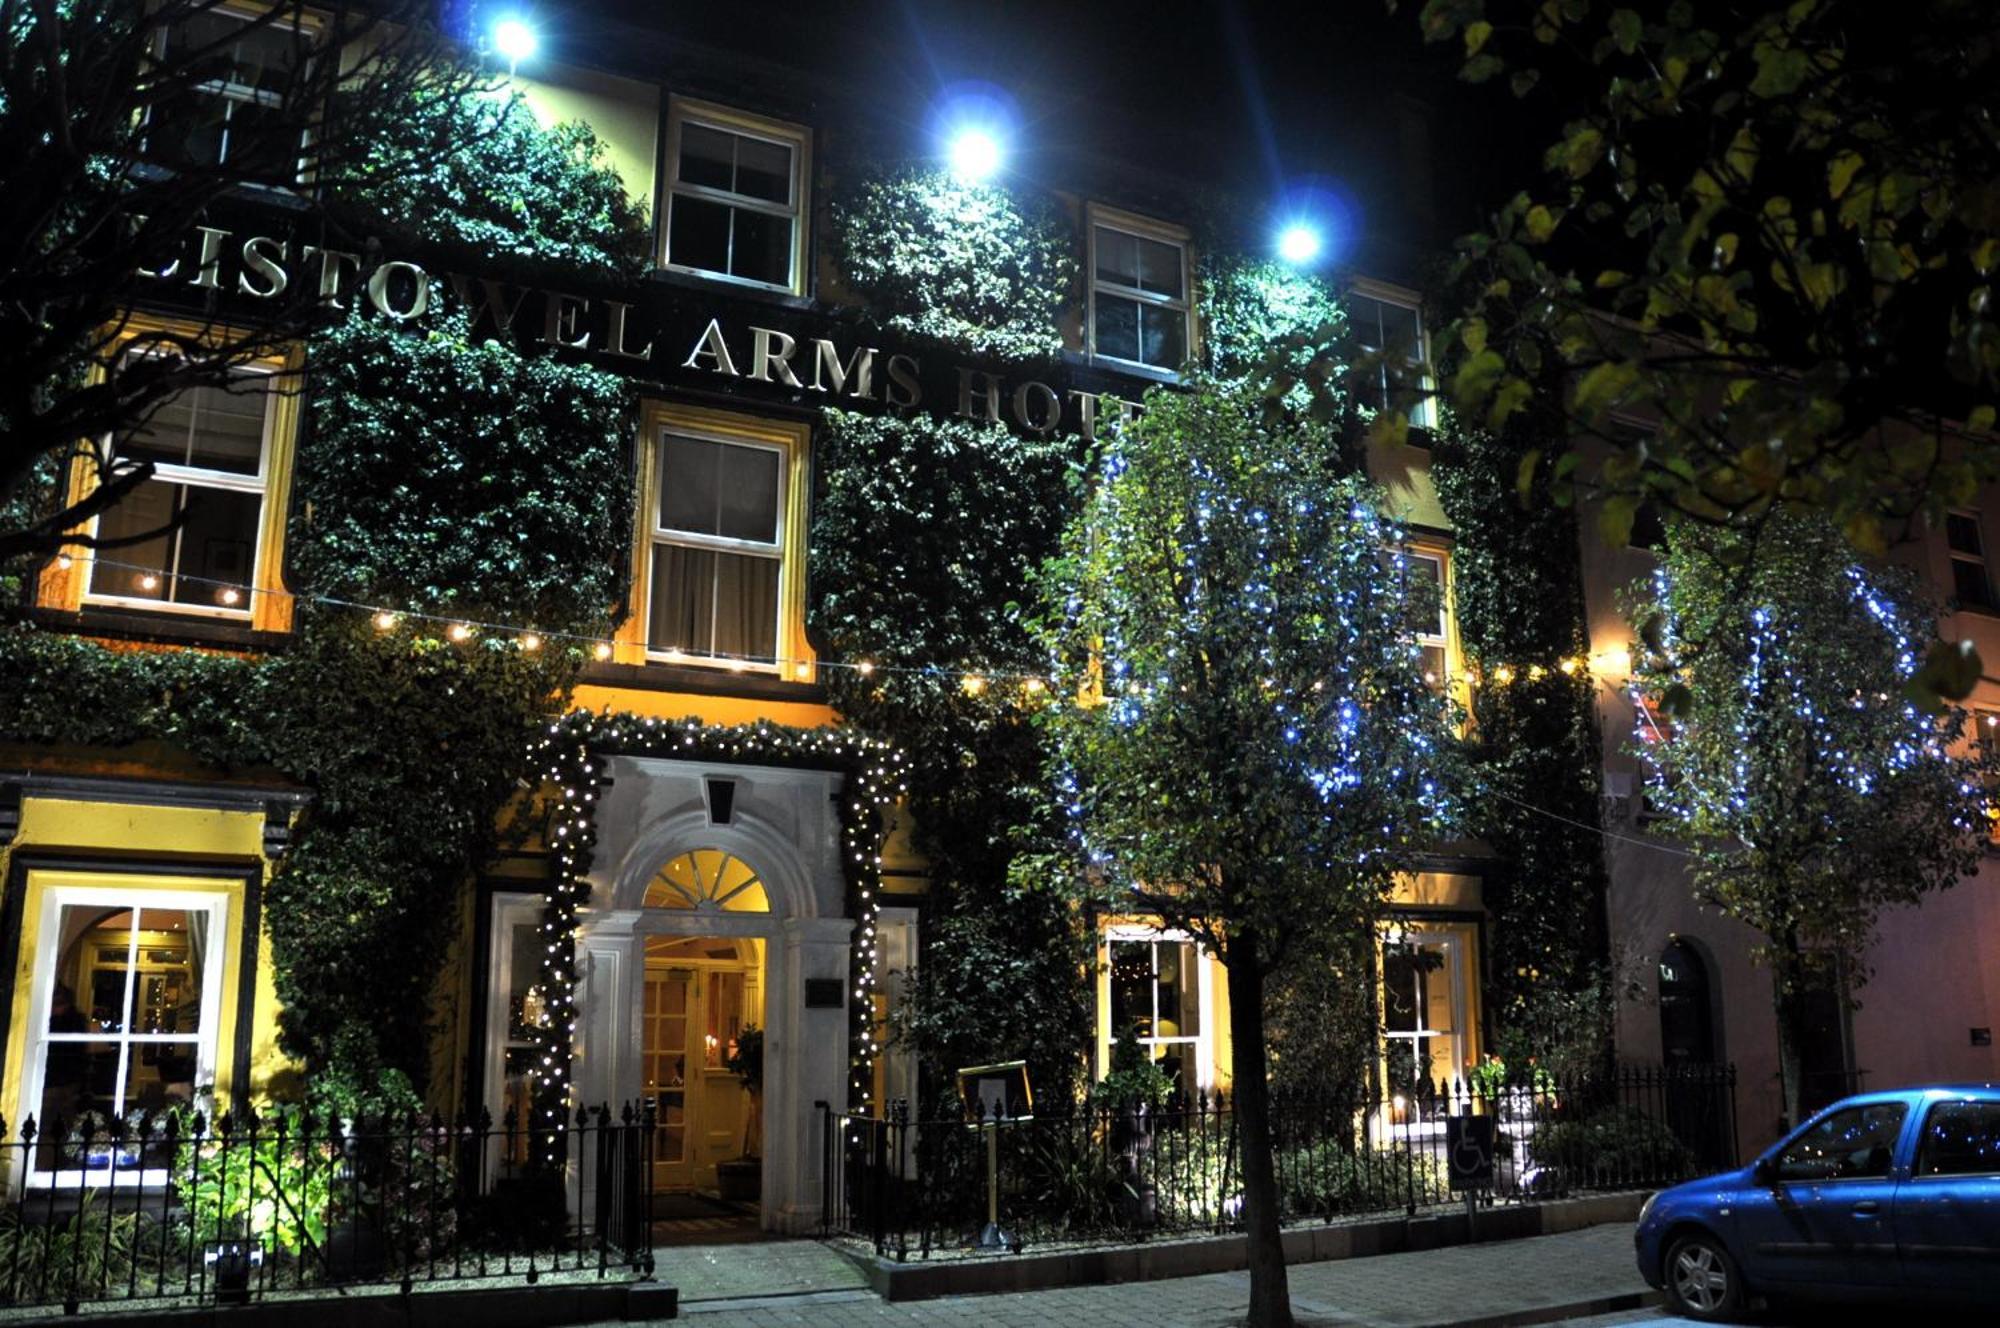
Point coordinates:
[[1887, 1196]]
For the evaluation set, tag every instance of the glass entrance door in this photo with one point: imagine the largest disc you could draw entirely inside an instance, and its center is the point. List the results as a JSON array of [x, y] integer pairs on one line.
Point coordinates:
[[668, 1023]]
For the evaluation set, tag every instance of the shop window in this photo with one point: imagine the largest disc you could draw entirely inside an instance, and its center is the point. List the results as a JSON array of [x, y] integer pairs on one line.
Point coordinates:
[[128, 996], [187, 540], [1971, 582], [228, 110], [1139, 311], [1159, 990], [1425, 1005], [1390, 323], [720, 580], [735, 197]]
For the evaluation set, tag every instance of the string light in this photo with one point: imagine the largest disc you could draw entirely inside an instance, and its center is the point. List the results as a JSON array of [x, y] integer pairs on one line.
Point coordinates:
[[602, 650], [385, 621], [530, 641], [460, 632]]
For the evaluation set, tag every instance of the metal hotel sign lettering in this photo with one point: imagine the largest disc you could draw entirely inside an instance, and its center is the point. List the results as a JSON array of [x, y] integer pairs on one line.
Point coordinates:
[[265, 267]]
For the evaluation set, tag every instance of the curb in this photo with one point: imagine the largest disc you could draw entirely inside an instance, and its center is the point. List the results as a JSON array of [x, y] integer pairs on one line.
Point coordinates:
[[1576, 1309], [1193, 1257], [489, 1307]]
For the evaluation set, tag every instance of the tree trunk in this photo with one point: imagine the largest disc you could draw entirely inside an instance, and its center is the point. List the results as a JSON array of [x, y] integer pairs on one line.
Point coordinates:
[[1789, 1001], [1270, 1292]]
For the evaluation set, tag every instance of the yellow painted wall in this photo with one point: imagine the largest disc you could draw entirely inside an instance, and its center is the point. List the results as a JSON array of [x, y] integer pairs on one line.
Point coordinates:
[[154, 837], [708, 709], [623, 113]]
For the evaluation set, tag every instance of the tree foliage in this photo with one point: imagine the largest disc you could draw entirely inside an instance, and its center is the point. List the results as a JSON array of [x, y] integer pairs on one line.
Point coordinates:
[[1240, 727], [1809, 793], [1767, 230]]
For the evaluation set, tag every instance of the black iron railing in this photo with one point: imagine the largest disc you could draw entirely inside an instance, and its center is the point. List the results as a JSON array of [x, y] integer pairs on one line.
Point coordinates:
[[913, 1184], [172, 1205]]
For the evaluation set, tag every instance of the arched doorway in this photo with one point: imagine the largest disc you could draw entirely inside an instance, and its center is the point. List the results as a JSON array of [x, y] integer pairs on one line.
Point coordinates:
[[702, 994], [1687, 1017]]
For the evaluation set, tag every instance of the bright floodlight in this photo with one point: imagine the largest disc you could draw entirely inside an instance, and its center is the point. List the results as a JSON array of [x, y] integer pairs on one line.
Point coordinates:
[[1298, 243], [975, 154], [515, 40]]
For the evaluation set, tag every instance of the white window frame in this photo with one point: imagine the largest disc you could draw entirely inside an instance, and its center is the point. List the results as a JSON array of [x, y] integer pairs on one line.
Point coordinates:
[[794, 139], [1403, 931], [1422, 415], [1159, 233], [774, 550], [506, 912], [1203, 1042], [1439, 640], [1979, 560], [202, 477], [236, 94], [47, 935]]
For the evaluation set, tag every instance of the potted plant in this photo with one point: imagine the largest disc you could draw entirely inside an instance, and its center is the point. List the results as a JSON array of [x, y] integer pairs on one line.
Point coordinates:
[[742, 1178]]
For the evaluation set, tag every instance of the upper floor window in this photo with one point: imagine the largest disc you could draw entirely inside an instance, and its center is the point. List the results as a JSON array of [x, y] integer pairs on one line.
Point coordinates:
[[1390, 322], [230, 73], [1971, 583], [187, 539], [1139, 311], [720, 577], [1432, 622], [736, 197]]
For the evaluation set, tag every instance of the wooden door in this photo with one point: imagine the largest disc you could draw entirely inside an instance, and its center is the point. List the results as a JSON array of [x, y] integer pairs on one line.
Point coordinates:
[[669, 1026]]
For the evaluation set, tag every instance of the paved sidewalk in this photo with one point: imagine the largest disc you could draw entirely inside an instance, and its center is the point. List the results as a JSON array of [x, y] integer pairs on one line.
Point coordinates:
[[1518, 1281]]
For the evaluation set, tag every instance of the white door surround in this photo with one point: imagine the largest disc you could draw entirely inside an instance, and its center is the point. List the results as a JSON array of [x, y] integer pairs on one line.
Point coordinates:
[[784, 824]]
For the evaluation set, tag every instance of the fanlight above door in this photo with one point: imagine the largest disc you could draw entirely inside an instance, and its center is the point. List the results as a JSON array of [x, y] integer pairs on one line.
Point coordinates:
[[708, 881]]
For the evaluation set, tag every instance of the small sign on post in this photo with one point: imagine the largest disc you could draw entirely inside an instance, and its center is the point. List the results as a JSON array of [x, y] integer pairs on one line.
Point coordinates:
[[1468, 1146], [996, 1095]]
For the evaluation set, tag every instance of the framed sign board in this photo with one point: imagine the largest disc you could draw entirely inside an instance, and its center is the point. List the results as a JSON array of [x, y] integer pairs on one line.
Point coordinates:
[[997, 1092]]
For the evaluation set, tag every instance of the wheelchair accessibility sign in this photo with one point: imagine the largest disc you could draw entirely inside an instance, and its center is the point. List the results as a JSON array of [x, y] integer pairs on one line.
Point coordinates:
[[1468, 1144]]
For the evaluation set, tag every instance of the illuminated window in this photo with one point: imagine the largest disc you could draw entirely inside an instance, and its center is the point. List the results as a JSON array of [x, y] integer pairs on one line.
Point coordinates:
[[187, 539], [127, 997], [1425, 1003], [736, 197], [233, 72], [1158, 987], [1433, 622], [1138, 293], [1971, 583], [1391, 322], [719, 578]]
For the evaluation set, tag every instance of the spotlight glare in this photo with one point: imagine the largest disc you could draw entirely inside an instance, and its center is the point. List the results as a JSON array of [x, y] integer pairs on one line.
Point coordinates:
[[1298, 243], [975, 154], [515, 40]]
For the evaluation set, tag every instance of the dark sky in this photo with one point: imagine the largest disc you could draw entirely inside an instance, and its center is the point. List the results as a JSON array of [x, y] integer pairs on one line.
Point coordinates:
[[1249, 95]]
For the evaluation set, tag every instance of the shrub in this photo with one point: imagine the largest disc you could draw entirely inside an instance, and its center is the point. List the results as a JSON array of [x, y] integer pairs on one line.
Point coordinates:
[[1326, 1179], [1616, 1146]]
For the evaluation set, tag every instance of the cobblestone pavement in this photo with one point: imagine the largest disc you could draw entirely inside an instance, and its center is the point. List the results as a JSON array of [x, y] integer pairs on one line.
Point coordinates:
[[1444, 1286]]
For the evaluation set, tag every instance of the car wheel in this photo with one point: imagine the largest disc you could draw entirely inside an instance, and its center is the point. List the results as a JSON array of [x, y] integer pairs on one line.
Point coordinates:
[[1702, 1281]]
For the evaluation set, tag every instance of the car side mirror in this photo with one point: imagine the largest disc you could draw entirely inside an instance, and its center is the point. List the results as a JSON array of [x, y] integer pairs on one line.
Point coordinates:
[[1764, 1172]]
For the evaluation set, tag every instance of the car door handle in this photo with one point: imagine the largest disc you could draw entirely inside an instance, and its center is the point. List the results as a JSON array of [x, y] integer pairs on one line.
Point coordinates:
[[1867, 1208]]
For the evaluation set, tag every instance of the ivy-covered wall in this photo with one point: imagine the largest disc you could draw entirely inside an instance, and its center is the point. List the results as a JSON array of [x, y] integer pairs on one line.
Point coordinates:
[[436, 474]]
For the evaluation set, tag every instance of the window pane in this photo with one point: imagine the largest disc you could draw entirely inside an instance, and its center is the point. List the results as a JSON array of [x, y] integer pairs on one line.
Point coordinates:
[[698, 234], [764, 170], [163, 437], [711, 603], [1160, 268], [1400, 980], [1180, 989], [209, 427], [763, 248], [1364, 316], [749, 494], [1426, 591], [151, 506], [1961, 532], [1131, 987], [1164, 342], [77, 1077], [1117, 257], [1969, 583], [218, 539], [690, 480], [706, 156], [1400, 331], [524, 972], [1434, 669], [1858, 1142], [1117, 327], [172, 956], [1960, 1139]]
